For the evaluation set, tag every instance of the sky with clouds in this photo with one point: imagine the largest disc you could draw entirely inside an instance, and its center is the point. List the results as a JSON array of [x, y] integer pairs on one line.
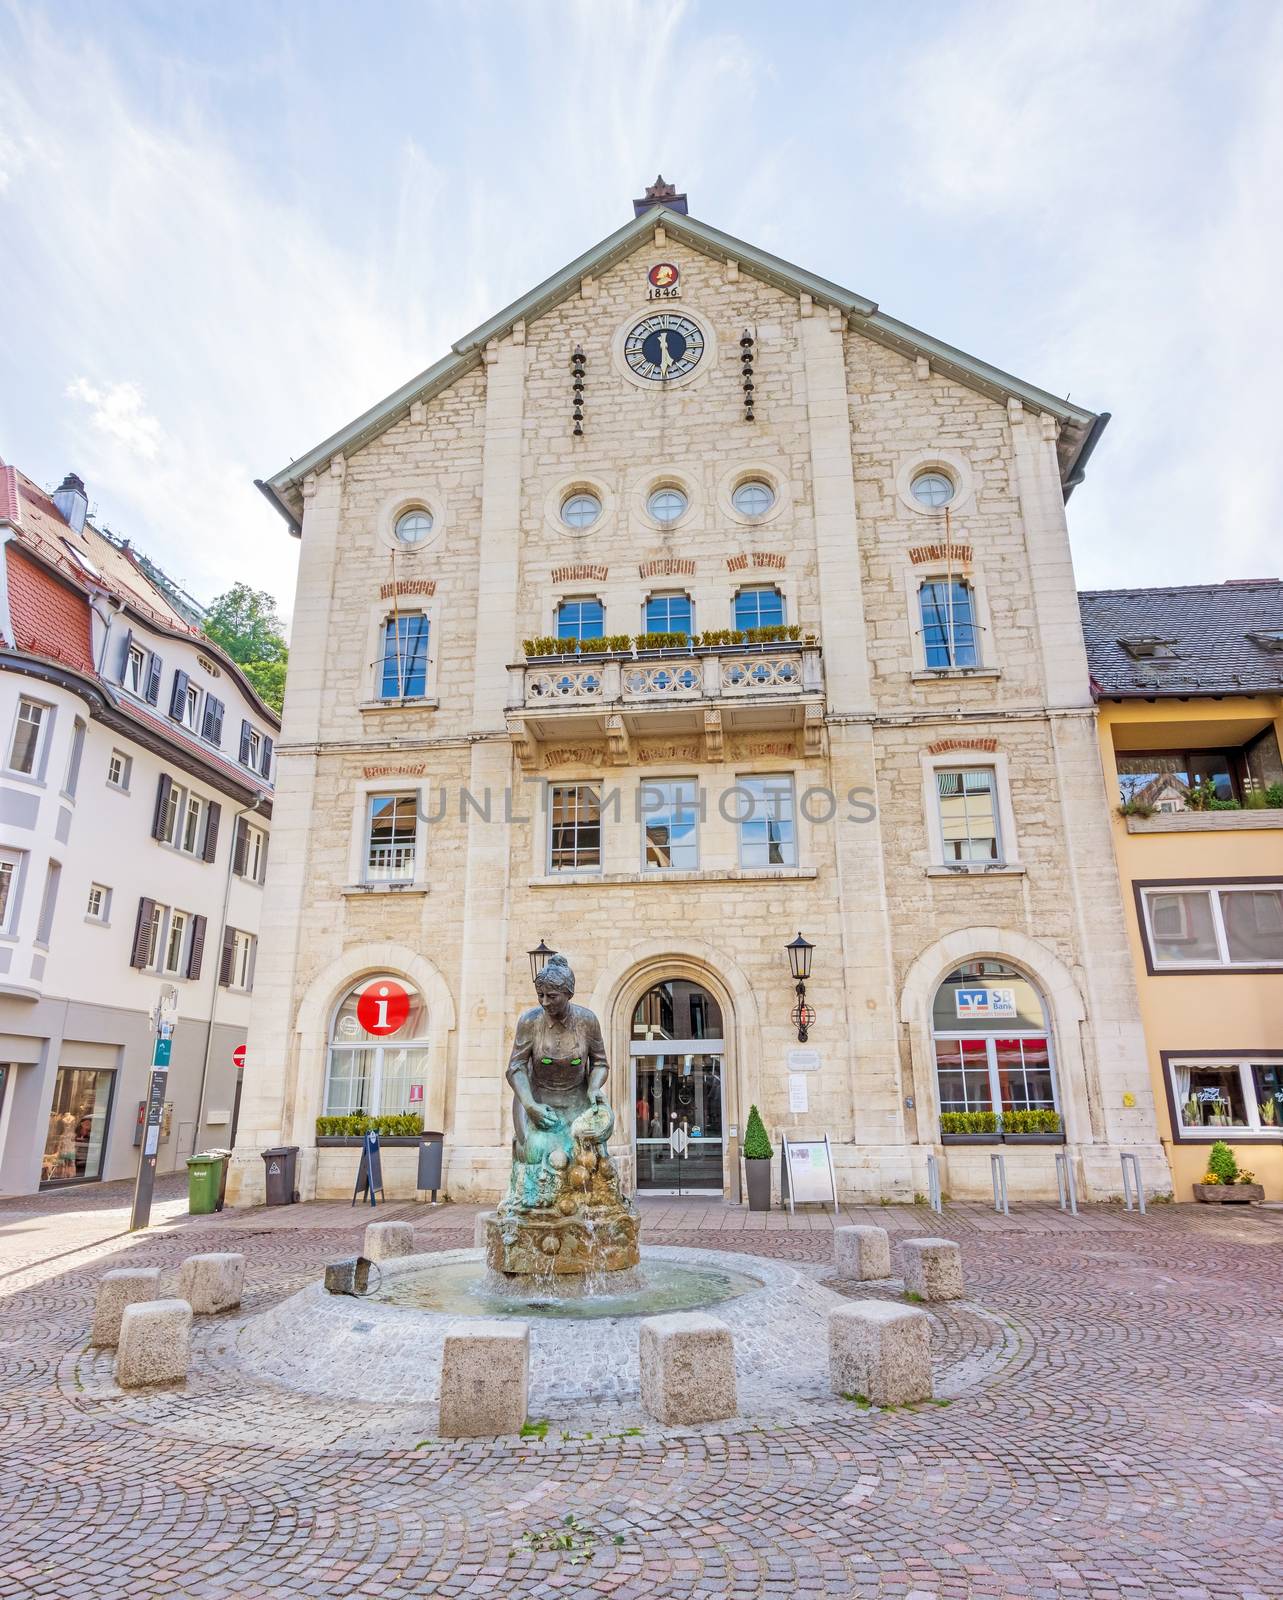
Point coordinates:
[[228, 228]]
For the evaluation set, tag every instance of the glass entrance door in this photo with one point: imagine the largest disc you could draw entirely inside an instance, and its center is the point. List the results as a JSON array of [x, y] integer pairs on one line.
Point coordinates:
[[678, 1110]]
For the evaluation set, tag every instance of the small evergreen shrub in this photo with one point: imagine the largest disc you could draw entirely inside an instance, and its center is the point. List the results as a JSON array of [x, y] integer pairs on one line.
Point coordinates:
[[662, 641], [1221, 1163], [968, 1122], [1274, 796], [1039, 1121], [757, 1145], [400, 1125]]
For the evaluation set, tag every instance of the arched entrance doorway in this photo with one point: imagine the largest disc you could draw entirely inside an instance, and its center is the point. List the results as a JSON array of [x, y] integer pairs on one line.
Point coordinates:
[[677, 1054]]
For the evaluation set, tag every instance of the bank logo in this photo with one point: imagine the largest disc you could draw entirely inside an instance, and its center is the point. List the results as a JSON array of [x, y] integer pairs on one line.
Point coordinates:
[[986, 1002]]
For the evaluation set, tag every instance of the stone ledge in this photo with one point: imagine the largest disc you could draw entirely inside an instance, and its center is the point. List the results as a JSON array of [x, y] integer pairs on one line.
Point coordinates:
[[358, 891], [711, 875], [952, 675], [1009, 869], [429, 702], [1205, 821]]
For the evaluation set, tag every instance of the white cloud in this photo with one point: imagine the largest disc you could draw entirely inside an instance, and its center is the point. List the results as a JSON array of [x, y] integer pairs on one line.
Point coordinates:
[[119, 413]]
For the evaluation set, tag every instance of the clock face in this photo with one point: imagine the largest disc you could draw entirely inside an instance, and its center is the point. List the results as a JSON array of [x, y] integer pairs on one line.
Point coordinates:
[[663, 346]]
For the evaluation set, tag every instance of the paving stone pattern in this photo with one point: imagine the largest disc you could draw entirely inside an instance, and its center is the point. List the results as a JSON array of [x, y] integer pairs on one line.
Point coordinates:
[[1114, 1431]]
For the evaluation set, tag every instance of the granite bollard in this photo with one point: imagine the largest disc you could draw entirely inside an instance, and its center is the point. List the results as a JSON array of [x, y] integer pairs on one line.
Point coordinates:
[[121, 1287], [932, 1268], [386, 1240], [155, 1343], [212, 1282], [880, 1350], [862, 1252], [687, 1368], [485, 1378]]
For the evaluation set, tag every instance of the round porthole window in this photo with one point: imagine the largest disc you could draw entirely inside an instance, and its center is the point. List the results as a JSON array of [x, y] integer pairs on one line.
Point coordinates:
[[666, 505], [580, 510], [753, 499], [932, 489], [413, 527]]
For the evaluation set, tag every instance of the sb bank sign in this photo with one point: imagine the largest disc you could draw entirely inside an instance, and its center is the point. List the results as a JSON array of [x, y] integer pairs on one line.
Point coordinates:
[[975, 1003]]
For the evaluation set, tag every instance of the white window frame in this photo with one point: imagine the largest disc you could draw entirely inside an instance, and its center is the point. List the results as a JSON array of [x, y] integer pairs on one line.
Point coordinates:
[[1253, 1129], [359, 837], [377, 618], [242, 972], [655, 814], [377, 1048], [369, 872], [155, 937], [1044, 1036], [102, 916], [781, 780], [1008, 846], [970, 573], [577, 867], [136, 670], [1214, 891], [179, 922], [9, 900], [670, 594], [193, 814], [761, 586], [255, 849], [43, 729], [126, 770], [193, 700]]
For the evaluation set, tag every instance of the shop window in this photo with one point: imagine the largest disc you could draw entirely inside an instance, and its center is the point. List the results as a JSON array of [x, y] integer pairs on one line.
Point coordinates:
[[1226, 1098], [992, 1042], [383, 1073], [78, 1120]]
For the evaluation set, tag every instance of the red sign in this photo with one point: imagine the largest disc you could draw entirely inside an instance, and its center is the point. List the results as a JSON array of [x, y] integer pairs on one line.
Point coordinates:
[[663, 275], [383, 1007], [238, 1056]]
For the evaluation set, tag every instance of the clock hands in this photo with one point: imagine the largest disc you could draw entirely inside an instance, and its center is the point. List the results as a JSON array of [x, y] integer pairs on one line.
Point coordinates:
[[666, 356]]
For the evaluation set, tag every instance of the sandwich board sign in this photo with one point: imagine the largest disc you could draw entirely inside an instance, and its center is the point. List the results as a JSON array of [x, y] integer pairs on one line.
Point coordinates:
[[808, 1172], [369, 1175]]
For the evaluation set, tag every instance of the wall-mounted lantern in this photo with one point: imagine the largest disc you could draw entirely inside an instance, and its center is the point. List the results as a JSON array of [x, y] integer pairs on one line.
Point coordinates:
[[803, 1016]]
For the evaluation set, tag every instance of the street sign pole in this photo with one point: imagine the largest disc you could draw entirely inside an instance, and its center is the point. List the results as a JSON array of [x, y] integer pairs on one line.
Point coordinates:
[[163, 1017]]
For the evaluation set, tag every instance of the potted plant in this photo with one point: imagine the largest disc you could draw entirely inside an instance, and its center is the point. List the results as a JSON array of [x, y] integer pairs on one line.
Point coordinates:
[[1041, 1126], [969, 1127], [757, 1162], [401, 1128], [1224, 1183]]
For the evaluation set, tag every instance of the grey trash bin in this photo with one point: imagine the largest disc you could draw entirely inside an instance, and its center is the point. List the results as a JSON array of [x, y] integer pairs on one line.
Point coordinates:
[[431, 1148], [279, 1162]]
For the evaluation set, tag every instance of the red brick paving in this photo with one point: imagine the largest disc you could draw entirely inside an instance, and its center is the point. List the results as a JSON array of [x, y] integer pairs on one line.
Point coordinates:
[[1135, 1448]]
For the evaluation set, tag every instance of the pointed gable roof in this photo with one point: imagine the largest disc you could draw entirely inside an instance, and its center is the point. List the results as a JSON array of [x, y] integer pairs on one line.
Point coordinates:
[[1079, 427]]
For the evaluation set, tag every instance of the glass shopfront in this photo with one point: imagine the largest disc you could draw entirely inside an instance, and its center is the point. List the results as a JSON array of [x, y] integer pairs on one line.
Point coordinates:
[[992, 1041], [78, 1120], [677, 1056]]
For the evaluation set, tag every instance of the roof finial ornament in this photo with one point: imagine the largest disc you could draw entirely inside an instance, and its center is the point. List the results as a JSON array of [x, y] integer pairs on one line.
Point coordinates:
[[660, 195]]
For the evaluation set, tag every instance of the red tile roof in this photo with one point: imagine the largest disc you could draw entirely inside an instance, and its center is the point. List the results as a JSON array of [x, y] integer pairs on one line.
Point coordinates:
[[49, 618]]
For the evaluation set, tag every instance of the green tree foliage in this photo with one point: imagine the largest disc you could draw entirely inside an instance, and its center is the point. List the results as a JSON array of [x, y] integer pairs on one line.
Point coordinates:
[[757, 1145], [245, 622]]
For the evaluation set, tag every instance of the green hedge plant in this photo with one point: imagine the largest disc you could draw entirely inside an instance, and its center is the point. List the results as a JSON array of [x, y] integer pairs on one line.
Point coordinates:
[[968, 1122], [1040, 1121], [757, 1144], [662, 641], [401, 1125]]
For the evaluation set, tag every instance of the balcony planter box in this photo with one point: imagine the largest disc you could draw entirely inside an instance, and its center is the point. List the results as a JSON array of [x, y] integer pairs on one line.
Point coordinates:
[[970, 1138], [1033, 1138], [354, 1141], [758, 1172], [1228, 1194]]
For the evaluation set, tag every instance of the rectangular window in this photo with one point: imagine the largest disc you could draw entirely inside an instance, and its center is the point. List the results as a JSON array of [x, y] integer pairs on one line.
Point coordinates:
[[949, 636], [391, 824], [759, 608], [192, 809], [768, 837], [176, 942], [1227, 1098], [255, 860], [9, 863], [73, 760], [24, 751], [118, 768], [670, 824], [136, 670], [581, 619], [242, 960], [574, 827], [1179, 780], [669, 613], [191, 708], [251, 747], [962, 1066], [403, 670], [77, 1125], [150, 937], [1226, 926], [98, 907], [48, 904], [969, 814]]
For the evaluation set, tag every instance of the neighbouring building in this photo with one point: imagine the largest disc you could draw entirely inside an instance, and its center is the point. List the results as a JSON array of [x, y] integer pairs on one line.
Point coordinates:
[[135, 802], [1189, 683], [691, 601]]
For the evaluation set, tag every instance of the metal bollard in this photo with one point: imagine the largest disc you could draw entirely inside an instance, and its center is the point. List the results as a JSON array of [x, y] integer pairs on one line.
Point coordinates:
[[998, 1174], [1127, 1158], [933, 1185], [1065, 1185]]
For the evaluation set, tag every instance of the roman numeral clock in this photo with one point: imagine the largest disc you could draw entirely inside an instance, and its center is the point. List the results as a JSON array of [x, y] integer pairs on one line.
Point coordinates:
[[664, 346]]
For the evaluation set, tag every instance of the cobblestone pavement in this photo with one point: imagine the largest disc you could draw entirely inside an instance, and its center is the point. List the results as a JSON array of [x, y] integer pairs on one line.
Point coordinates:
[[1128, 1442]]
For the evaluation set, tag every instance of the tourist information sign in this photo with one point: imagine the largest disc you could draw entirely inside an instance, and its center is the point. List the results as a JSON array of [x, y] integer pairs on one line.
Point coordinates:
[[369, 1175], [163, 1017]]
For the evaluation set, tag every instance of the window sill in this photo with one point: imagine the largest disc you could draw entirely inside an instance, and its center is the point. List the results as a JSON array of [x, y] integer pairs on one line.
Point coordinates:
[[1205, 821], [555, 880], [97, 922], [953, 674], [1003, 869], [10, 776], [410, 702], [358, 890], [1229, 1135]]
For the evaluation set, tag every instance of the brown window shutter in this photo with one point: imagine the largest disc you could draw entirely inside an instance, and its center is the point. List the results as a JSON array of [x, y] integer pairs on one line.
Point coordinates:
[[162, 800], [142, 932], [225, 964], [212, 813], [198, 946], [240, 847]]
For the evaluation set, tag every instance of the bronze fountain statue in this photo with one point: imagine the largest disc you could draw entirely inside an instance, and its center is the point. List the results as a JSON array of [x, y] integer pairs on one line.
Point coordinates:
[[563, 1212]]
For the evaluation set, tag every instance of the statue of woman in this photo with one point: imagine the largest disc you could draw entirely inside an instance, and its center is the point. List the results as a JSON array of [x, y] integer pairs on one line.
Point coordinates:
[[558, 1066]]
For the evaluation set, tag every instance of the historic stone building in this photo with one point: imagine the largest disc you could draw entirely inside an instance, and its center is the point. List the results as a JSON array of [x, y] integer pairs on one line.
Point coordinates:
[[689, 602]]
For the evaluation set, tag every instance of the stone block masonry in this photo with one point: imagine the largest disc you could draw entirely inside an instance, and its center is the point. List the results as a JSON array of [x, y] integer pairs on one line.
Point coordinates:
[[116, 1290], [880, 1350], [386, 1240], [155, 1343], [687, 1368], [862, 1252], [213, 1282], [932, 1268], [485, 1379]]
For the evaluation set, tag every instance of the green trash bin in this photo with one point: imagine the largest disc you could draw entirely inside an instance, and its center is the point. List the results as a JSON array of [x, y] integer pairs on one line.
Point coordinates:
[[204, 1180]]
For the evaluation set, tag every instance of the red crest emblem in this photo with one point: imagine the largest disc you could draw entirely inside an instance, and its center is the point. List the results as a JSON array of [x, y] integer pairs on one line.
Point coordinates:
[[663, 275]]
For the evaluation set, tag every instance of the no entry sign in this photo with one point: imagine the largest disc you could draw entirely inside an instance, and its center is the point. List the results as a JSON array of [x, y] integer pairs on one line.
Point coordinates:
[[238, 1056], [383, 1007]]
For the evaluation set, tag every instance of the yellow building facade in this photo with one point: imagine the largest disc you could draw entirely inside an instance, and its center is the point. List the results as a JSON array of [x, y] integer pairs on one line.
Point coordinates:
[[1189, 684]]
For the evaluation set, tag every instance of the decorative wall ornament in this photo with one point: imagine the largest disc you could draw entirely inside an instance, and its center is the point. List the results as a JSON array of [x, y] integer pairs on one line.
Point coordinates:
[[923, 553], [943, 746], [585, 572], [667, 567], [774, 559], [577, 368], [420, 586], [746, 363], [575, 755], [415, 770], [670, 751]]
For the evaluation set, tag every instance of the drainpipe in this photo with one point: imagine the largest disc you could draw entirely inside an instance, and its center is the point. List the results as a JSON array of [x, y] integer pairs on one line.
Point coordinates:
[[246, 811]]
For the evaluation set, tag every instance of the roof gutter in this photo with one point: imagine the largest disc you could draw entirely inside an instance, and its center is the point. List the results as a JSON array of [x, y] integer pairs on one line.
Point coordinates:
[[278, 504], [1084, 455]]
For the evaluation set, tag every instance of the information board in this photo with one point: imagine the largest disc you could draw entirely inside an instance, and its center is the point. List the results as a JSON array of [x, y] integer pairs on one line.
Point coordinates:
[[808, 1172], [369, 1175]]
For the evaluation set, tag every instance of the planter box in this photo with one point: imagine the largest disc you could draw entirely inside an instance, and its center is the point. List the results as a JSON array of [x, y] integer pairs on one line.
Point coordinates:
[[1033, 1138], [1228, 1194], [354, 1141], [757, 1172], [970, 1138]]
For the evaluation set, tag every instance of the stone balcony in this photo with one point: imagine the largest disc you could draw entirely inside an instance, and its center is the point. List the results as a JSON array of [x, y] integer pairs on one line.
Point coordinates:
[[701, 704]]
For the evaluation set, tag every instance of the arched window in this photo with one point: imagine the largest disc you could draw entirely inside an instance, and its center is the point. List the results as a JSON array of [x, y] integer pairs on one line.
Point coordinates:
[[403, 669], [668, 613], [992, 1041], [581, 619], [677, 1009], [373, 1066], [949, 634], [759, 608]]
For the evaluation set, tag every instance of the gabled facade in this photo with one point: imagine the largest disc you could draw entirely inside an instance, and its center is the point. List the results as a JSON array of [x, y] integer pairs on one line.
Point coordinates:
[[135, 801], [689, 602], [1189, 682]]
